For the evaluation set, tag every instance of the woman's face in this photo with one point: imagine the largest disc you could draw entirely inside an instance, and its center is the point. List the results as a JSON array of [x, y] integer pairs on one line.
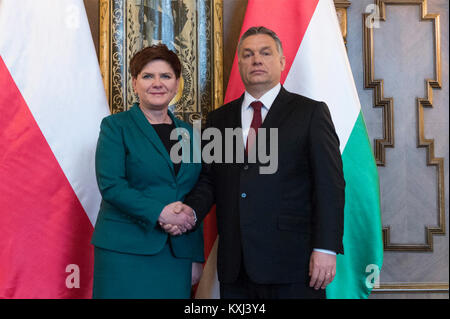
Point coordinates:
[[156, 85]]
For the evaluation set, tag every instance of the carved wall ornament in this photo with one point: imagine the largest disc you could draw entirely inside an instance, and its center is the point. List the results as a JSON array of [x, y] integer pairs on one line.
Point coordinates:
[[388, 117]]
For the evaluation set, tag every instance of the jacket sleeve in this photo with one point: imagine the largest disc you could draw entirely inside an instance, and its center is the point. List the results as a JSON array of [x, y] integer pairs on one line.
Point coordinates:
[[328, 180], [111, 178], [198, 254], [202, 196]]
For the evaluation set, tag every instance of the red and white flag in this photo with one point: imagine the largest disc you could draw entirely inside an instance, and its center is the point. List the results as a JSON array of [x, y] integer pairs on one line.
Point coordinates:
[[317, 66], [51, 103]]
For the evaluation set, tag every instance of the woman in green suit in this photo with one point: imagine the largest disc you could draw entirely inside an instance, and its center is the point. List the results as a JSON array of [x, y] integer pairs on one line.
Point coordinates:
[[142, 187]]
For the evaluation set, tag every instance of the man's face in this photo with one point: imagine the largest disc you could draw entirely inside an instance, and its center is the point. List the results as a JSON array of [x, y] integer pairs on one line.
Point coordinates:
[[260, 63]]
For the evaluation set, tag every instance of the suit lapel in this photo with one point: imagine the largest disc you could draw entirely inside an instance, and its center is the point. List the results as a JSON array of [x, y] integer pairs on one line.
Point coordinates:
[[237, 113], [232, 117], [235, 121], [186, 144], [149, 132], [279, 109]]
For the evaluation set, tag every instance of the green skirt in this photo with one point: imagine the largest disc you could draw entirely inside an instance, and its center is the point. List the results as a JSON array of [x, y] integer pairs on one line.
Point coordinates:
[[128, 276]]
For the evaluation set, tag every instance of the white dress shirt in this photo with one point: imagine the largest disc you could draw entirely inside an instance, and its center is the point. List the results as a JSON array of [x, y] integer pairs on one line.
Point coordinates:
[[247, 111], [247, 115]]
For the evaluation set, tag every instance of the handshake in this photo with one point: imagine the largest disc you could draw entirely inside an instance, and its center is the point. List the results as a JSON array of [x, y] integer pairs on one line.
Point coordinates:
[[176, 218]]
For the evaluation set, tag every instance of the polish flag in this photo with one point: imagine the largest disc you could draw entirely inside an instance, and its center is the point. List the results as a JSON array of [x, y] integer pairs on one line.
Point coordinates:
[[51, 103], [317, 66]]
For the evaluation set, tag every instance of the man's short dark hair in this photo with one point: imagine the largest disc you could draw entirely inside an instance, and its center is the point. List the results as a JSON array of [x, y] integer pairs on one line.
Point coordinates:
[[262, 30]]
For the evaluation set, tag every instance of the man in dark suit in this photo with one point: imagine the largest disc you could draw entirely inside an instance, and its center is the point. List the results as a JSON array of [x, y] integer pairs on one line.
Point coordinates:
[[278, 233]]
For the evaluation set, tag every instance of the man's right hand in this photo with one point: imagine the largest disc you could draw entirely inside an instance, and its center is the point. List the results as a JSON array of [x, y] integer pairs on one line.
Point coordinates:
[[176, 218], [171, 224]]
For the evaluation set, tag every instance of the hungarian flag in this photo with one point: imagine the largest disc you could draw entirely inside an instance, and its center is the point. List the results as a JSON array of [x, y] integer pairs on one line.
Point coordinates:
[[51, 103], [317, 67]]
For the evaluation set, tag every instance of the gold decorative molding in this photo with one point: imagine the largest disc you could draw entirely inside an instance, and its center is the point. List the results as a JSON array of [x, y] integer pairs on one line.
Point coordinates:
[[104, 12], [341, 11], [378, 97], [418, 287], [388, 118], [111, 52], [218, 52], [117, 56]]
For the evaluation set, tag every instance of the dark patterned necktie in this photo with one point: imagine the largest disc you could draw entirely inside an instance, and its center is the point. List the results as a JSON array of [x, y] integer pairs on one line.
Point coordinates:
[[256, 123]]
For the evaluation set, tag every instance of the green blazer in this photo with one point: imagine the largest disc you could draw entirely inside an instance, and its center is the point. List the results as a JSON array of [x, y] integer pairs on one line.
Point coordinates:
[[136, 178]]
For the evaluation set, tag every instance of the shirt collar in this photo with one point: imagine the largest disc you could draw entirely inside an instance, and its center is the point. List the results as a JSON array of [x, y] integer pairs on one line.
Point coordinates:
[[267, 99]]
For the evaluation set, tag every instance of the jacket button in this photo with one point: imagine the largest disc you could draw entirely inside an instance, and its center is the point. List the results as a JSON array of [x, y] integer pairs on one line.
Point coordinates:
[[243, 195]]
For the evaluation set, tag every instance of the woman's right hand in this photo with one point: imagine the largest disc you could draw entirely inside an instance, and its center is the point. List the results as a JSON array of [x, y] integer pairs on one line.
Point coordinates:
[[174, 214], [173, 230]]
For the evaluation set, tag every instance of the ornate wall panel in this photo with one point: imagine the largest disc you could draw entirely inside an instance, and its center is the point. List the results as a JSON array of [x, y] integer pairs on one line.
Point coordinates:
[[192, 28], [403, 70], [388, 116]]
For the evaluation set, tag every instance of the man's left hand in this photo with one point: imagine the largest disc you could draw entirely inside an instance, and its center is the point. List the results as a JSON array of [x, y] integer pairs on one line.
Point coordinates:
[[322, 269]]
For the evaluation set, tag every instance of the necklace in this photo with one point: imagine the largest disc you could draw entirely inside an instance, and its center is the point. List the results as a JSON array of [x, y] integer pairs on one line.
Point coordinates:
[[165, 120]]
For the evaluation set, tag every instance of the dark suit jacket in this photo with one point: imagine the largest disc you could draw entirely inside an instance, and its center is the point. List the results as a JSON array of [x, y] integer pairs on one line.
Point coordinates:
[[136, 178], [274, 220]]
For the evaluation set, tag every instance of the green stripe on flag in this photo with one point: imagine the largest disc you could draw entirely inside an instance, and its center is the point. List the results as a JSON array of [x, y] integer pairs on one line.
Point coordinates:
[[357, 269]]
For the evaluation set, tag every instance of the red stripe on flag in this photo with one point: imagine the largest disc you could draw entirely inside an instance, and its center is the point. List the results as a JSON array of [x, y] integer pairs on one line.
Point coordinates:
[[288, 18], [210, 231], [43, 227]]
